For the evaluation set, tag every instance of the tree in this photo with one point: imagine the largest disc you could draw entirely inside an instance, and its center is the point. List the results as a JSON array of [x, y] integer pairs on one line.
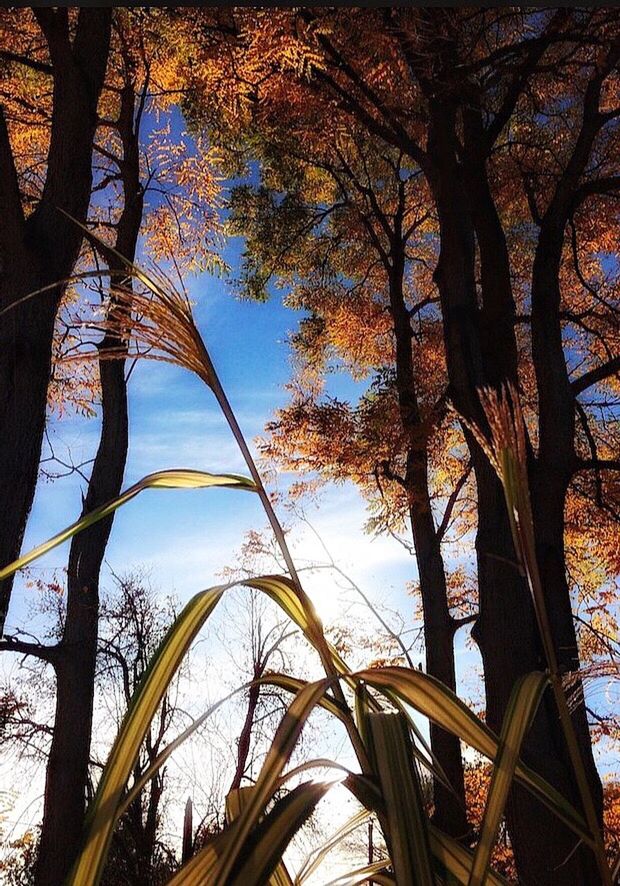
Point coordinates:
[[123, 178], [455, 91], [39, 243]]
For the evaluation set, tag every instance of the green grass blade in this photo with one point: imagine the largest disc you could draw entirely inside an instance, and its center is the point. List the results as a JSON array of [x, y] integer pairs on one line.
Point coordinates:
[[318, 855], [518, 718], [431, 698], [103, 813], [361, 875], [402, 795], [115, 776], [173, 479], [257, 862], [294, 685], [260, 862], [457, 860], [235, 801], [208, 856], [278, 755]]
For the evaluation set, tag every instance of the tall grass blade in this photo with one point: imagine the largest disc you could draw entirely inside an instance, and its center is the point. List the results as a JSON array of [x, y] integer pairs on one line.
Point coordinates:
[[507, 451], [173, 479], [376, 870], [402, 795], [318, 855], [518, 718], [103, 813], [259, 863], [456, 860], [109, 798], [431, 698], [279, 752], [235, 801]]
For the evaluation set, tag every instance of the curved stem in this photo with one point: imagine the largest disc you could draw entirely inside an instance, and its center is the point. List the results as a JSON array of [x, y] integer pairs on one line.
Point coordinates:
[[212, 379]]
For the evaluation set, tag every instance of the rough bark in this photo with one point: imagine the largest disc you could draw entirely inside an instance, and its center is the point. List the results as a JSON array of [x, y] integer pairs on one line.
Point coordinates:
[[67, 772], [38, 251]]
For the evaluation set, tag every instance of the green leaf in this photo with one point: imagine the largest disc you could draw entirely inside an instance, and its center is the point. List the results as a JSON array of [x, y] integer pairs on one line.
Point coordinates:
[[518, 718], [431, 698], [318, 855], [402, 795], [103, 813], [235, 801], [457, 860], [174, 479]]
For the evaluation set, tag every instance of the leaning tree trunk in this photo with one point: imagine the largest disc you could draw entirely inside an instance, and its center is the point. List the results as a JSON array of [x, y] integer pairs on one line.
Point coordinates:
[[39, 251], [67, 771], [439, 626], [480, 349]]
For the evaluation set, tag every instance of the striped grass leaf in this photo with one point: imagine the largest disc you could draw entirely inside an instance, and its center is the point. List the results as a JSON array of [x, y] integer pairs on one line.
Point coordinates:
[[429, 761], [209, 855], [457, 861], [363, 709], [375, 869], [235, 801], [431, 698], [318, 855], [278, 754], [109, 799], [103, 814], [518, 718], [172, 479], [451, 858], [300, 609], [260, 862], [402, 796], [317, 763]]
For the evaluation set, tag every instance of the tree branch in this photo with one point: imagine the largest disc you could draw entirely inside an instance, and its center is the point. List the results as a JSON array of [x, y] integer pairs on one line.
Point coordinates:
[[443, 526], [534, 51], [598, 464], [37, 650], [603, 185], [42, 67], [612, 367], [464, 620]]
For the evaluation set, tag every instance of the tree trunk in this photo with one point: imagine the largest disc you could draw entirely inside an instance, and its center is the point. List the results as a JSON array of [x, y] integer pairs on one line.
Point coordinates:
[[245, 736], [39, 251], [480, 349], [439, 626], [67, 772]]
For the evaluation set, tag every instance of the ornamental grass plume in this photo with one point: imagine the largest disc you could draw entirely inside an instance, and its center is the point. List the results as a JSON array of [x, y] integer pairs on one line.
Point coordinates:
[[154, 324], [506, 449]]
